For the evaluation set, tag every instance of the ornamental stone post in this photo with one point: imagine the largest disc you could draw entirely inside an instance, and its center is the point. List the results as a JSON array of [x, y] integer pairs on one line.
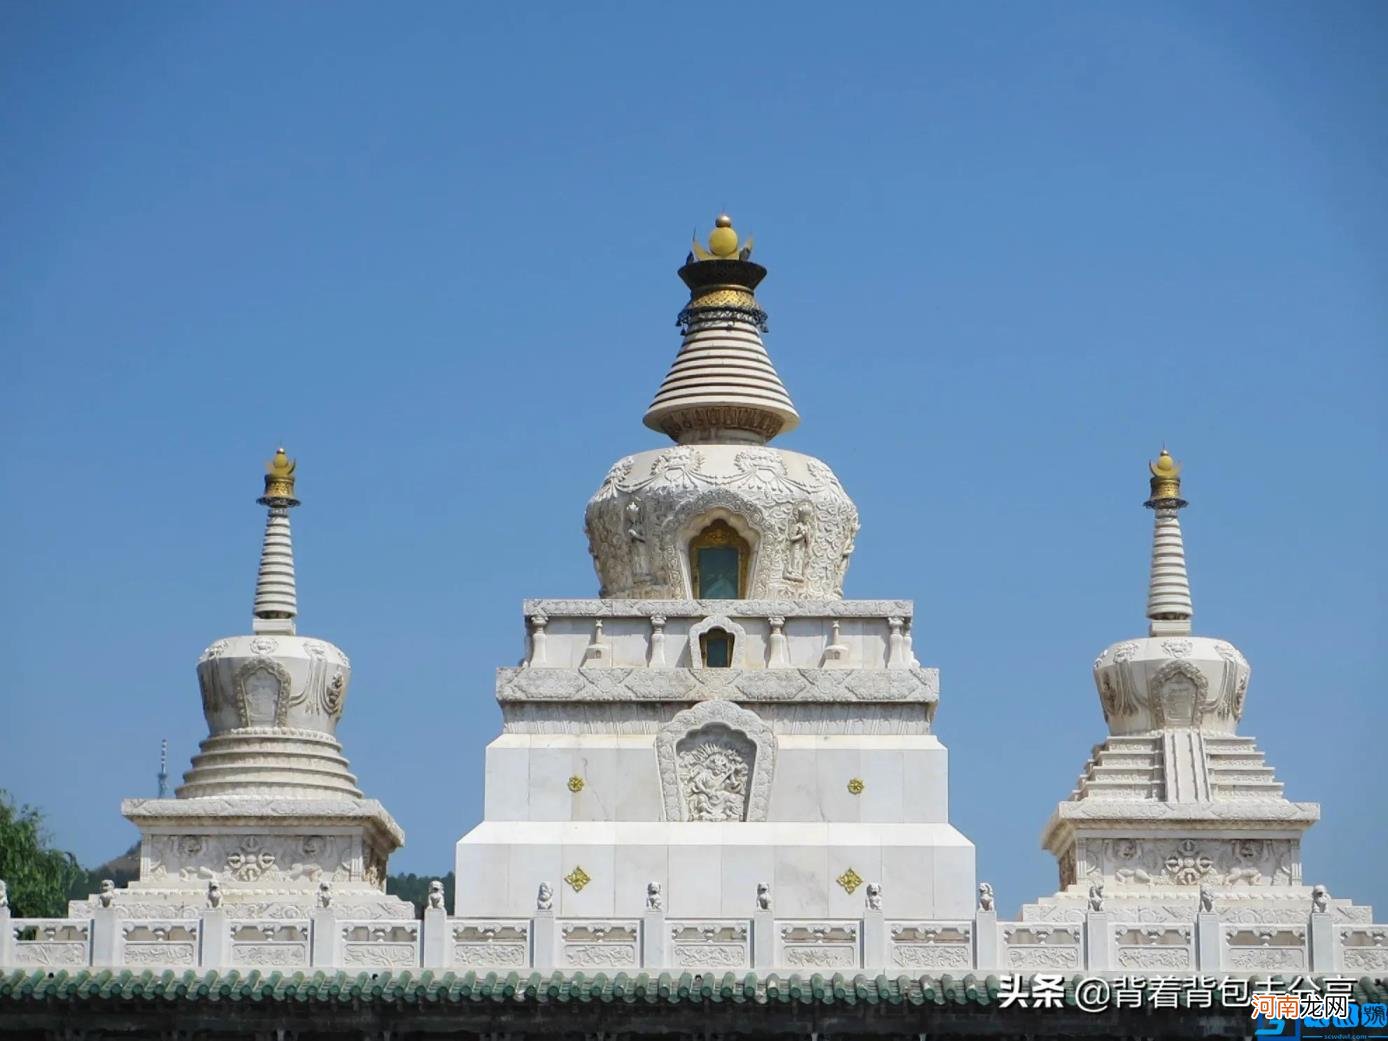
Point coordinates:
[[323, 937], [1208, 947], [1098, 941], [434, 940], [874, 939], [542, 939], [214, 936], [654, 939], [107, 945], [986, 939], [6, 935], [1325, 954]]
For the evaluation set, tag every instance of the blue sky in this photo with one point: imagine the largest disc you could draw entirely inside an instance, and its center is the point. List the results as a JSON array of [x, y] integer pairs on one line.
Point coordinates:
[[431, 248]]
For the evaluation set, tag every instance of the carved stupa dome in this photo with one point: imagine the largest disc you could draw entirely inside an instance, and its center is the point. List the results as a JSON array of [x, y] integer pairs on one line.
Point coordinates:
[[785, 524], [796, 523]]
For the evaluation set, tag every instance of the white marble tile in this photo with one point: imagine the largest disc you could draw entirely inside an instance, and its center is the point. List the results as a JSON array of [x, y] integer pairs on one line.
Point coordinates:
[[507, 793], [801, 887], [483, 873], [866, 862], [908, 880], [925, 780], [551, 766], [795, 786], [882, 774], [837, 761], [597, 897], [635, 865], [696, 873], [744, 867], [955, 883]]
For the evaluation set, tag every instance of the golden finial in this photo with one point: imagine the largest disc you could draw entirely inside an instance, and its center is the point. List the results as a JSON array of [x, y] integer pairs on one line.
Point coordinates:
[[723, 242], [279, 481], [1166, 482]]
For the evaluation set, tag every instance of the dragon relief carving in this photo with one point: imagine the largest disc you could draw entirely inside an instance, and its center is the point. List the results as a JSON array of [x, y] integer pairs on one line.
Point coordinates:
[[713, 774], [715, 762]]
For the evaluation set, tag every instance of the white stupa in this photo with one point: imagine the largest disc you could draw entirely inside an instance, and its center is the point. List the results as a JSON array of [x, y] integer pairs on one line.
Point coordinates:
[[1176, 810], [720, 734], [269, 817]]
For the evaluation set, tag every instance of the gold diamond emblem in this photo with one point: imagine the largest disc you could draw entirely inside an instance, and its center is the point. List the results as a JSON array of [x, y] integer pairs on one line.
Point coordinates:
[[575, 783], [850, 880], [856, 785], [578, 878]]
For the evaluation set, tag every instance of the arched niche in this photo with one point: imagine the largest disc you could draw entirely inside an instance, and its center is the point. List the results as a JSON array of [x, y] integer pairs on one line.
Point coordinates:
[[698, 641], [718, 555], [1178, 692]]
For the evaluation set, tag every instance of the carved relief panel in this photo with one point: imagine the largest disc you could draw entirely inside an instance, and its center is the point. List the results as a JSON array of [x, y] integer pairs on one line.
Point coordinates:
[[716, 761]]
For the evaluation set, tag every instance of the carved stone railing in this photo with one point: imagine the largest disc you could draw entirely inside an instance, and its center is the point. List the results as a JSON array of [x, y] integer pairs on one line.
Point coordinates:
[[767, 634], [1095, 944], [45, 942]]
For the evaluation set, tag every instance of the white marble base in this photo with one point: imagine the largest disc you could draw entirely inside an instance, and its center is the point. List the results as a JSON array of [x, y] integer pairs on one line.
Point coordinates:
[[712, 869]]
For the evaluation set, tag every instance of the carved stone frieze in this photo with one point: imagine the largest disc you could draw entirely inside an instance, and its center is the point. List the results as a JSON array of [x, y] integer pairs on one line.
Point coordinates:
[[599, 955], [383, 955], [711, 955], [491, 955], [49, 953], [180, 953], [267, 954], [250, 857], [1193, 861], [1154, 958], [925, 956], [902, 686], [752, 608]]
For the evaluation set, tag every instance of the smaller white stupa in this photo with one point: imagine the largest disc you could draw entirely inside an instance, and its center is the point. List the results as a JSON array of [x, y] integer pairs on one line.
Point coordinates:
[[1177, 812], [269, 822]]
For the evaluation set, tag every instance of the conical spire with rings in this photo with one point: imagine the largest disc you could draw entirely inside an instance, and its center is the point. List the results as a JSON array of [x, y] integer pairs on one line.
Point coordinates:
[[275, 601], [1169, 608], [722, 387]]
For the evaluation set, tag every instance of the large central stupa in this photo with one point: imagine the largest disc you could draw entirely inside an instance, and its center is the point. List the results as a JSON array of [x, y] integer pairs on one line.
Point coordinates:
[[720, 733]]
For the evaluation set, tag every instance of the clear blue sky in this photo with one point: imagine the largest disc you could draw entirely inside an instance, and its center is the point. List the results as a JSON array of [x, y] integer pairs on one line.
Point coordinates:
[[431, 247]]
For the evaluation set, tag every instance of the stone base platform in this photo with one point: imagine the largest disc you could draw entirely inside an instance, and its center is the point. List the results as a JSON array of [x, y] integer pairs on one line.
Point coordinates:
[[713, 869]]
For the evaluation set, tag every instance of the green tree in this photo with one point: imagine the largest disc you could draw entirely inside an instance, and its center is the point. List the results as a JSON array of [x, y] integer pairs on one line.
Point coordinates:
[[38, 876]]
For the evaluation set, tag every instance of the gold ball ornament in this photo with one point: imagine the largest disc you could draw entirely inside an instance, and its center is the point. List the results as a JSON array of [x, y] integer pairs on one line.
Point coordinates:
[[723, 240]]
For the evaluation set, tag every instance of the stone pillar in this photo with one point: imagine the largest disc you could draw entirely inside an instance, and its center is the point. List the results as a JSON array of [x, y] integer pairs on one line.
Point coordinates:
[[654, 940], [6, 938], [107, 945], [1325, 954], [657, 641], [1207, 941], [323, 937], [435, 947], [1098, 941], [874, 940], [986, 940], [763, 940], [778, 656], [542, 938], [214, 935], [896, 644]]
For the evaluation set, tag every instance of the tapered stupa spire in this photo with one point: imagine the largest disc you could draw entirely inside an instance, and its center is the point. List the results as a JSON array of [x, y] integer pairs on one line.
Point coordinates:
[[722, 387], [1169, 608], [275, 600]]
